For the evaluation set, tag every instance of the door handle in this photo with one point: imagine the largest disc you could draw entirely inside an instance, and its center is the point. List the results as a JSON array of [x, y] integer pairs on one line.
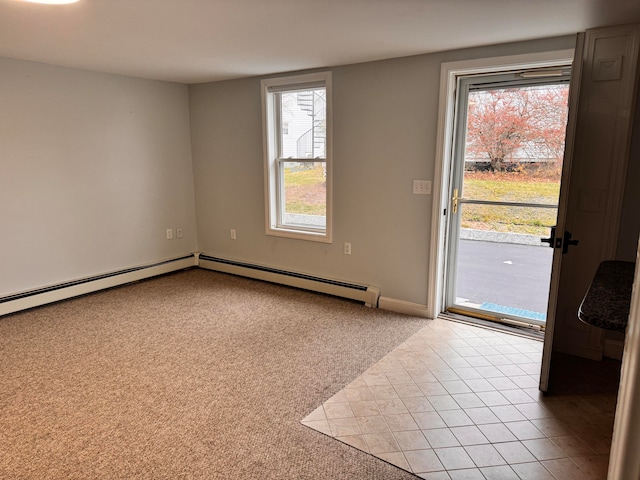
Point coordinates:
[[552, 240], [567, 242], [455, 200]]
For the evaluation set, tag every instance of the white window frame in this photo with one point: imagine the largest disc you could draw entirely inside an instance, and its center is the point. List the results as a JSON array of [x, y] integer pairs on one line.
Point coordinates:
[[272, 171]]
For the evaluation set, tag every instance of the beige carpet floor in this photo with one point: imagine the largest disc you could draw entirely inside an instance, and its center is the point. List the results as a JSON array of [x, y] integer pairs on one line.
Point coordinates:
[[193, 375]]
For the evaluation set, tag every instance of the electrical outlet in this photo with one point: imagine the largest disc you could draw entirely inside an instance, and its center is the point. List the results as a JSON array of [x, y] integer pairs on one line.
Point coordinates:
[[179, 233], [169, 233], [347, 248], [422, 187], [233, 234]]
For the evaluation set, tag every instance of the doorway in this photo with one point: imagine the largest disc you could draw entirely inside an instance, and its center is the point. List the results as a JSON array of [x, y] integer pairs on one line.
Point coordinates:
[[506, 169]]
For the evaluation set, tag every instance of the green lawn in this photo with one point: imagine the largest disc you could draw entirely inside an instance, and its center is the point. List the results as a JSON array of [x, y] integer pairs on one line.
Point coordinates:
[[534, 221], [305, 191]]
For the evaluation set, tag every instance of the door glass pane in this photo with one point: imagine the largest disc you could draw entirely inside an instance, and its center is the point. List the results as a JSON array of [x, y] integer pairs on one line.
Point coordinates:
[[503, 267], [515, 143], [533, 221]]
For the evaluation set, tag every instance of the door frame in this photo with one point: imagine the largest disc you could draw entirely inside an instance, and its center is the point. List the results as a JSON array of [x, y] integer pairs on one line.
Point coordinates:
[[450, 71]]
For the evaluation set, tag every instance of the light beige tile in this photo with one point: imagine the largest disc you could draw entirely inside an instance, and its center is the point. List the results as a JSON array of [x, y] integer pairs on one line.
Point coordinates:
[[498, 360], [445, 374], [572, 446], [401, 422], [467, 373], [453, 458], [435, 476], [497, 432], [466, 474], [510, 370], [344, 427], [411, 440], [358, 394], [532, 471], [551, 427], [389, 407], [365, 408], [544, 449], [372, 379], [443, 402], [516, 396], [525, 381], [507, 413], [468, 400], [408, 390], [381, 443], [485, 455], [319, 425], [455, 418], [479, 385], [524, 430], [395, 458], [492, 398], [469, 435], [502, 383], [432, 388], [533, 411], [399, 378], [456, 386], [339, 397], [418, 404], [514, 452], [564, 469], [441, 437], [502, 472], [383, 392], [423, 461], [375, 424], [356, 441], [317, 414], [490, 371], [478, 361], [426, 420], [422, 376], [338, 410], [594, 465]]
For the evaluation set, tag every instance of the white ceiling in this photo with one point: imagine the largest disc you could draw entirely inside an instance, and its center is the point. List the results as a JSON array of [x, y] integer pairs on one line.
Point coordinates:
[[192, 41]]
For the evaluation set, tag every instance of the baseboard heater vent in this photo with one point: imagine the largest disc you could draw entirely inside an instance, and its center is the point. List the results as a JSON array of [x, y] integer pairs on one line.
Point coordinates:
[[62, 291], [367, 294]]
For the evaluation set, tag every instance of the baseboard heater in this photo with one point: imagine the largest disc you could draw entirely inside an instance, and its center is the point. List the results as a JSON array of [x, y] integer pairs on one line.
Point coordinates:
[[363, 293], [41, 296]]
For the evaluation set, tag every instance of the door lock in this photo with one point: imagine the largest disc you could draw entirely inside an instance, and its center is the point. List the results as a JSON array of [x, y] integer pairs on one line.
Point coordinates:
[[455, 201]]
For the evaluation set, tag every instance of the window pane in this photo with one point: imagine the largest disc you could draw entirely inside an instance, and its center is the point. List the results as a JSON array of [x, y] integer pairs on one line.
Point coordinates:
[[304, 194], [304, 112]]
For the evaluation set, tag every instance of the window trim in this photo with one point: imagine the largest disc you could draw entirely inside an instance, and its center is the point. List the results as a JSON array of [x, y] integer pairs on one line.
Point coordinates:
[[273, 224]]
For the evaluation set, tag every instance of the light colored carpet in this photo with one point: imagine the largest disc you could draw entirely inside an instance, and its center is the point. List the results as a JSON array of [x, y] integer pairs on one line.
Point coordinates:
[[194, 375]]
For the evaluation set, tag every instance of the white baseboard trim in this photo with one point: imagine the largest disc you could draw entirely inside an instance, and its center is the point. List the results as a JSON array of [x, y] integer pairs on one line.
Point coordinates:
[[42, 296], [402, 306], [613, 349], [367, 294]]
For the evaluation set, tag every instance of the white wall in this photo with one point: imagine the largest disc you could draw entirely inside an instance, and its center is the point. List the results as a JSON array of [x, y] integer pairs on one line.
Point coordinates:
[[93, 169], [385, 116]]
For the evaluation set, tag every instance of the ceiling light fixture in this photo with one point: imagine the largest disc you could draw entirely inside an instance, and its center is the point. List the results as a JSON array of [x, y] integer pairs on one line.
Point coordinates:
[[52, 2]]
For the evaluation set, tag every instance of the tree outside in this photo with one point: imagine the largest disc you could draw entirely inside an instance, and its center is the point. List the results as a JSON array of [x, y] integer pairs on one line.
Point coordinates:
[[514, 150]]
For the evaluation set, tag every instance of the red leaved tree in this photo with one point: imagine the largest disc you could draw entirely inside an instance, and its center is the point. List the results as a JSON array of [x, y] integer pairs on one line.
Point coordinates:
[[517, 124]]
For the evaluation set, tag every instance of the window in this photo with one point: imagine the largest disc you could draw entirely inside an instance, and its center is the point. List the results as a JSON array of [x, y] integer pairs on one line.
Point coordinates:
[[297, 134]]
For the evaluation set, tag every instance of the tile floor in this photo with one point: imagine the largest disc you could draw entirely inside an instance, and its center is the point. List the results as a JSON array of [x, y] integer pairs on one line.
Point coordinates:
[[457, 402]]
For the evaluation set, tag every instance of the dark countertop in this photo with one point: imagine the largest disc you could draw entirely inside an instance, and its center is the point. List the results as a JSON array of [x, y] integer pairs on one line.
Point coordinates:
[[606, 304]]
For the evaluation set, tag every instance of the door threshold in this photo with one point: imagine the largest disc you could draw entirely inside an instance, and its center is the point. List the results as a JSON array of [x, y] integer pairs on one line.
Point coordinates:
[[493, 323]]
